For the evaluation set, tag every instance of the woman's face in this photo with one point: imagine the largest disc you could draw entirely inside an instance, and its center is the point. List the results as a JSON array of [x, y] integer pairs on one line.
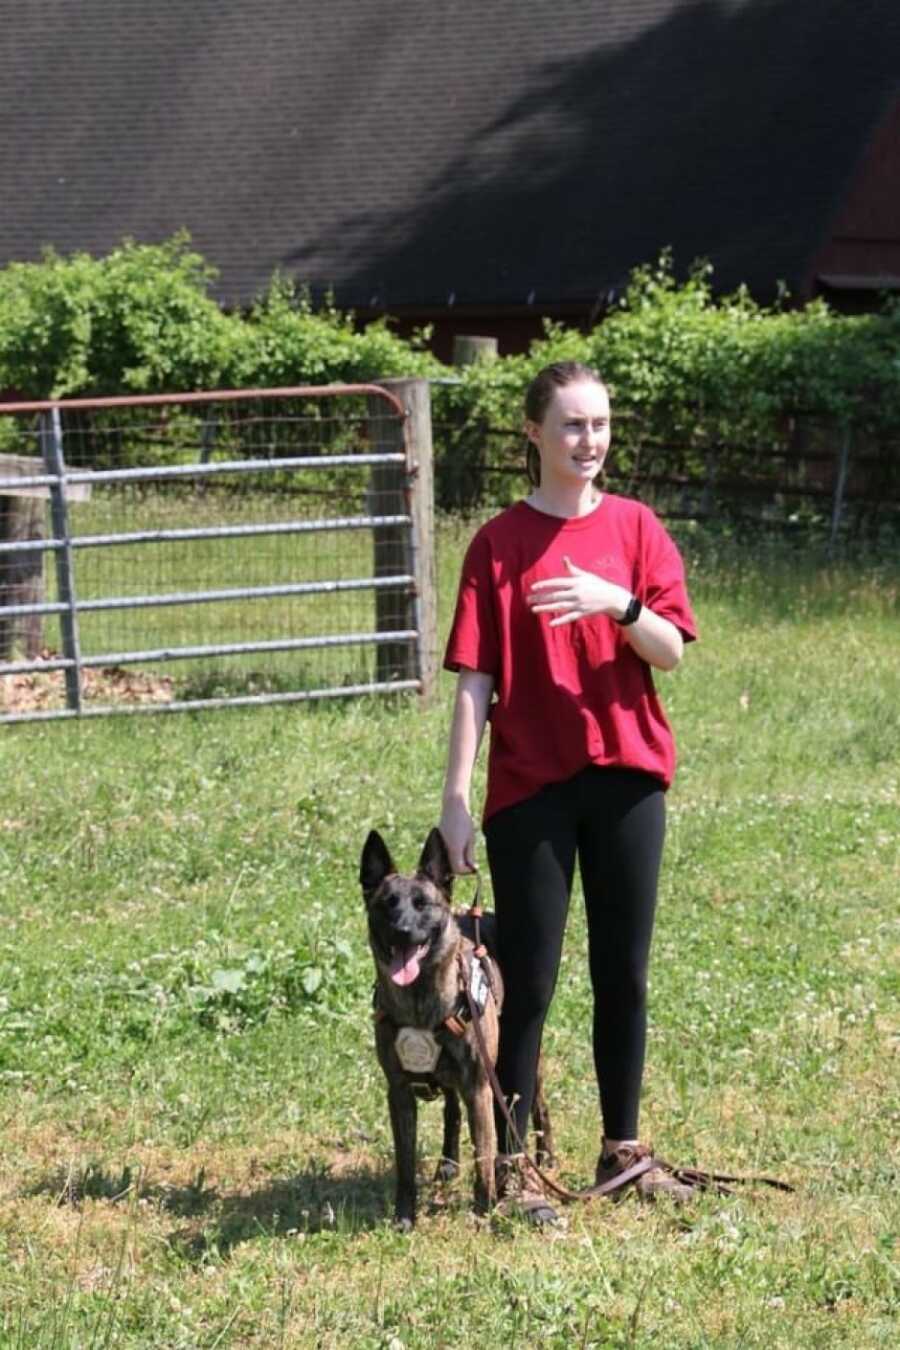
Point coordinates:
[[573, 437]]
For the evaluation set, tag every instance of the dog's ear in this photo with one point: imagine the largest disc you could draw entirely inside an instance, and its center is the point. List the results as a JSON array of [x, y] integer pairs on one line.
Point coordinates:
[[435, 862], [375, 864]]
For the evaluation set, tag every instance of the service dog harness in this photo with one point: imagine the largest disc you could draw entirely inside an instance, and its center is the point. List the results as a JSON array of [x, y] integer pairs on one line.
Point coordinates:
[[418, 1048]]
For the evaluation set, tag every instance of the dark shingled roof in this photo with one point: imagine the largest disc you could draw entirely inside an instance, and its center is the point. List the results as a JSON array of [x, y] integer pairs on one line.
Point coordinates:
[[501, 152]]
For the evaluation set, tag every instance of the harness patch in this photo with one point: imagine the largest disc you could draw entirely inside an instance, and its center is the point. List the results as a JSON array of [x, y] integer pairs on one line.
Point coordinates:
[[478, 984], [417, 1050]]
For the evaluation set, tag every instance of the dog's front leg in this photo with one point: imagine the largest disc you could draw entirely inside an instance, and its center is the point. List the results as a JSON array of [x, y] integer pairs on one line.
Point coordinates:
[[402, 1106], [481, 1127], [448, 1167]]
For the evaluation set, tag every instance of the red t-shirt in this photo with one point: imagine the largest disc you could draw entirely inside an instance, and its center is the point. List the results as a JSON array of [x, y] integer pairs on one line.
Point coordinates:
[[576, 694]]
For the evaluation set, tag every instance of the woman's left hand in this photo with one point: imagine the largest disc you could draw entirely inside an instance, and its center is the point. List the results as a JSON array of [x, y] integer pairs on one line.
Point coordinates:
[[577, 595]]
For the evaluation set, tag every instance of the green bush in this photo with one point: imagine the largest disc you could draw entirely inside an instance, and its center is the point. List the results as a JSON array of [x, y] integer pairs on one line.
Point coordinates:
[[693, 375], [678, 355], [284, 340], [141, 320], [137, 321]]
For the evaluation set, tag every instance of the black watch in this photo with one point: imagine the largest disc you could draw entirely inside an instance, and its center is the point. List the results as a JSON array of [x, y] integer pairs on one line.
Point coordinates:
[[631, 613]]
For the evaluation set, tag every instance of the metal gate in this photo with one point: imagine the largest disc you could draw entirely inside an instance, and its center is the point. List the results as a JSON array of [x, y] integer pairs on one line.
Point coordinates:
[[220, 548]]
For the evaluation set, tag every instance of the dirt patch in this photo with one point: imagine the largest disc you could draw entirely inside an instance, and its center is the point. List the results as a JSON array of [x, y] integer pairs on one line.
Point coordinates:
[[44, 690]]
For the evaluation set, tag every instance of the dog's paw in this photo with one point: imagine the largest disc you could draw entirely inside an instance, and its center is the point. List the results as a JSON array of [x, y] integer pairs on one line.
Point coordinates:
[[447, 1170], [403, 1225]]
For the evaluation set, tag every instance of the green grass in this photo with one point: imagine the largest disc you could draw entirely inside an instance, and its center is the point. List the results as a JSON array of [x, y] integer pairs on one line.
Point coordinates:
[[187, 1087]]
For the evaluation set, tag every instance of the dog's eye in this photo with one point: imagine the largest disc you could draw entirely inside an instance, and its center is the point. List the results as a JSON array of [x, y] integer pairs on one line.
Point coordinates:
[[419, 901]]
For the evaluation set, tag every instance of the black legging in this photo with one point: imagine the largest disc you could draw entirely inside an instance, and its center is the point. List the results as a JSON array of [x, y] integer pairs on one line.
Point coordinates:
[[613, 820]]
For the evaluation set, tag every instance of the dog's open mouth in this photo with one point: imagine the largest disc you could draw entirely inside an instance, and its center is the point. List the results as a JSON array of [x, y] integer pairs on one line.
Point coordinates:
[[405, 963]]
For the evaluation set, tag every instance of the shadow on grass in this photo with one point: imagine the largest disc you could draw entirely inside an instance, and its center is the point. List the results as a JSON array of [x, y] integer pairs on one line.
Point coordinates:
[[72, 1186], [308, 1202]]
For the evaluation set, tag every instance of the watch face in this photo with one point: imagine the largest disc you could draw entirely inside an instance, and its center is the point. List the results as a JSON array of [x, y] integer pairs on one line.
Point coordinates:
[[417, 1051]]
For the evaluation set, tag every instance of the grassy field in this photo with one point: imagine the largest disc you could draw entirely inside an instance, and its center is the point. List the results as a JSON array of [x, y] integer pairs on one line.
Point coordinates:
[[195, 1147]]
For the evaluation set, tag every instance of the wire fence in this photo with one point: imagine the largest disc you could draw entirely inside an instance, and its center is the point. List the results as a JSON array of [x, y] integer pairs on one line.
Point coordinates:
[[237, 547], [815, 474], [229, 547]]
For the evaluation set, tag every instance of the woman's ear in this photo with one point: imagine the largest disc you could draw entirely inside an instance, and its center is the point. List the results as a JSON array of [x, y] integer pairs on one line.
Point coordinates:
[[532, 431]]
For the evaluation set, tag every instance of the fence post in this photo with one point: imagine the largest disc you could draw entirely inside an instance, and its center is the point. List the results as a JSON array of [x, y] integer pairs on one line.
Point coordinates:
[[21, 574], [840, 486], [52, 451], [399, 489], [461, 480], [469, 350]]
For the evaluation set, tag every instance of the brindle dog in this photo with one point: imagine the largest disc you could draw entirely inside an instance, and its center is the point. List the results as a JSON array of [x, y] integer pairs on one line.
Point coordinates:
[[422, 954]]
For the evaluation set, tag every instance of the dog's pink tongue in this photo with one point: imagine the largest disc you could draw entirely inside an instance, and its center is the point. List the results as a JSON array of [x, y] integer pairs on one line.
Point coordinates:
[[405, 964]]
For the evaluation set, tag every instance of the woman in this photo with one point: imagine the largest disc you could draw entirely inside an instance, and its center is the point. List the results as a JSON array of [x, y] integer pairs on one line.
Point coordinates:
[[566, 602]]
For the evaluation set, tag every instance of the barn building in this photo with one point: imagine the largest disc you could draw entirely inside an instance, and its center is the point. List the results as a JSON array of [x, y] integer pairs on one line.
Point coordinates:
[[476, 166]]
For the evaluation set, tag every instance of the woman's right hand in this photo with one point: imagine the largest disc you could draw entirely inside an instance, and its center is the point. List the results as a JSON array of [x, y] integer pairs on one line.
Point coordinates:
[[470, 710], [458, 830]]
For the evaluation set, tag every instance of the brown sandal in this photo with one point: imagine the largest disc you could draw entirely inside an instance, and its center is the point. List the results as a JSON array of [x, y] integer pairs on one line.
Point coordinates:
[[517, 1198], [651, 1179]]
